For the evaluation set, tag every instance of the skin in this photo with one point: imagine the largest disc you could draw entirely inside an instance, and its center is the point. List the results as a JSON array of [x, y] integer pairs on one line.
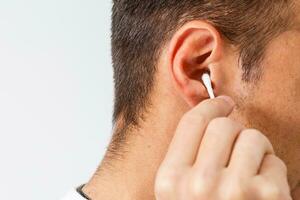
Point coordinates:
[[186, 157], [233, 170]]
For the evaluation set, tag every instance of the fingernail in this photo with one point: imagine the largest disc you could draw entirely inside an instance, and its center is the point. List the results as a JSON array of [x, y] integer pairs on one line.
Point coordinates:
[[228, 99]]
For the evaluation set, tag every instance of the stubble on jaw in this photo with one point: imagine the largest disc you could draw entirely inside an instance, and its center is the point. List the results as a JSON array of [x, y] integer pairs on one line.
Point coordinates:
[[280, 130], [296, 91]]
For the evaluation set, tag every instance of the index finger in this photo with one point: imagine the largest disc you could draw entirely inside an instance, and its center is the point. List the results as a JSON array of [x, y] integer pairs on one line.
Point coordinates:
[[190, 130]]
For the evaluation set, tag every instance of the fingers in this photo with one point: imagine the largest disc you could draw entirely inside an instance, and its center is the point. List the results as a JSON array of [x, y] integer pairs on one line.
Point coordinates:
[[250, 148], [217, 143], [185, 143], [275, 170], [272, 179]]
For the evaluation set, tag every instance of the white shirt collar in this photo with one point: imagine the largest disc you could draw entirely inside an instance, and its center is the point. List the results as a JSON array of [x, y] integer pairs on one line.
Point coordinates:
[[73, 195]]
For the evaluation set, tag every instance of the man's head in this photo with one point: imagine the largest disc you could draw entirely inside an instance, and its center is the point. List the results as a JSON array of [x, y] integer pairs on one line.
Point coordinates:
[[160, 48]]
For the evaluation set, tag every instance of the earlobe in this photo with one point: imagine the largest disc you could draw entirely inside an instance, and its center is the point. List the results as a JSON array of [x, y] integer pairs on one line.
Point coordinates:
[[194, 49]]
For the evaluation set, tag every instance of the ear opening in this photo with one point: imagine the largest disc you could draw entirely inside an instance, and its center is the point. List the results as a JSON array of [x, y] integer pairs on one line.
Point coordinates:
[[195, 73]]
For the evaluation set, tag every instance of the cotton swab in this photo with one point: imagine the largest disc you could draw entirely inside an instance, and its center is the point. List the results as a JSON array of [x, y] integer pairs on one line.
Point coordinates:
[[207, 82]]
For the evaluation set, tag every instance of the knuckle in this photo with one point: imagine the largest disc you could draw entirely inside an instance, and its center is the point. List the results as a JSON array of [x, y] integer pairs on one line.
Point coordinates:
[[270, 191], [164, 184], [252, 133], [276, 160], [263, 188], [198, 189], [166, 181], [253, 136], [282, 165], [233, 192], [224, 127], [221, 123]]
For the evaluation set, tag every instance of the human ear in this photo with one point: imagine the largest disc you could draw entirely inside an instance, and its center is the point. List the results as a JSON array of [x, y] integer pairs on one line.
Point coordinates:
[[194, 49]]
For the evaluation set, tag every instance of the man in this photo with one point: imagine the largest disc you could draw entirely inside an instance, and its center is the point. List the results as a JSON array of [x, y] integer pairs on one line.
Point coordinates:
[[169, 141]]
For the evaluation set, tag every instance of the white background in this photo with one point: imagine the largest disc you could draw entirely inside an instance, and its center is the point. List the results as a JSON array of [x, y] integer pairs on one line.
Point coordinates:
[[56, 95]]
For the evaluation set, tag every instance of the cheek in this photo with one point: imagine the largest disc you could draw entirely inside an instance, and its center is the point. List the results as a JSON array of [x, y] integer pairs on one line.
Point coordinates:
[[297, 89], [279, 89], [275, 111], [272, 104]]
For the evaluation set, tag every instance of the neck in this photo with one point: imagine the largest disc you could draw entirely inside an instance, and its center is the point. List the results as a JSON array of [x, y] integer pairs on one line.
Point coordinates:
[[131, 174]]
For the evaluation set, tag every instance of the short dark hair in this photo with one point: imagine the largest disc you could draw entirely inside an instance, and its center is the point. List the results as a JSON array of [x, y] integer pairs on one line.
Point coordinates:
[[140, 28]]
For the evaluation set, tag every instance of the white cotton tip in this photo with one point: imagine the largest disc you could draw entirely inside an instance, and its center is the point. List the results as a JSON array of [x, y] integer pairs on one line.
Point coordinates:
[[207, 82]]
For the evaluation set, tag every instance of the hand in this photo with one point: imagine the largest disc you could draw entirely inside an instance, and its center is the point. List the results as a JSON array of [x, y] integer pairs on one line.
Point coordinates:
[[213, 157]]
